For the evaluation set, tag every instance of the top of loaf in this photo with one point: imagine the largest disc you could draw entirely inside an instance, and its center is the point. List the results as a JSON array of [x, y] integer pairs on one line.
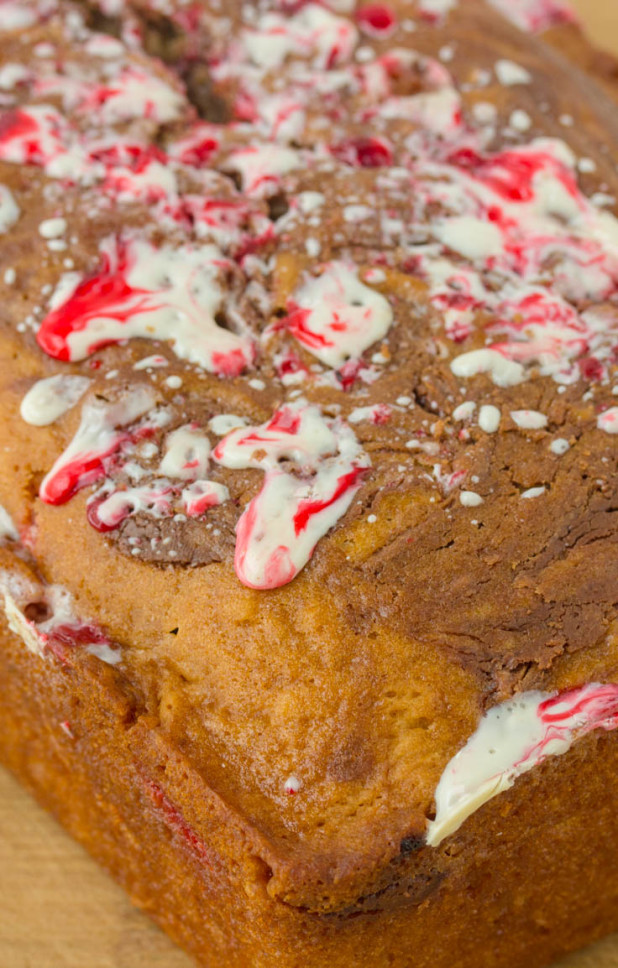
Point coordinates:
[[329, 304]]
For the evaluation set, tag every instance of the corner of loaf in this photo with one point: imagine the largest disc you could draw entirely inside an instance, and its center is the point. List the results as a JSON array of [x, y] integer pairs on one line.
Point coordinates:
[[308, 558]]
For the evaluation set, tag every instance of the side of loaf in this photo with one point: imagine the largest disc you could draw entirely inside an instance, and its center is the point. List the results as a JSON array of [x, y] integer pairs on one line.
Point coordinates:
[[308, 480], [530, 876]]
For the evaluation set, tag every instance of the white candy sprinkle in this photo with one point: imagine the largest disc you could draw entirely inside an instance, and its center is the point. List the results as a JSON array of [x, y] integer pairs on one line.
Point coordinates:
[[312, 248], [10, 276], [371, 518], [53, 228], [608, 421], [510, 73], [356, 213], [147, 450], [44, 50], [309, 201], [587, 166], [520, 120], [150, 361], [601, 199], [484, 112], [533, 492], [470, 499], [173, 382], [292, 785], [559, 446], [465, 410], [529, 419], [489, 418], [364, 54]]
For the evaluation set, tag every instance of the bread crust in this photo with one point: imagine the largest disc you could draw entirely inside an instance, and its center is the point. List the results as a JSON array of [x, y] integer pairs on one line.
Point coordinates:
[[530, 877]]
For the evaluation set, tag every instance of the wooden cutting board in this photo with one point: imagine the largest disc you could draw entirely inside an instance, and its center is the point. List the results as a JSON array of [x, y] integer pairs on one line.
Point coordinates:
[[601, 18], [59, 910]]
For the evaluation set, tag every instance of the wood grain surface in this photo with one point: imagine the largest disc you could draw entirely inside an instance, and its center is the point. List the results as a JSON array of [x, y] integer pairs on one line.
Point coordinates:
[[601, 18], [59, 910]]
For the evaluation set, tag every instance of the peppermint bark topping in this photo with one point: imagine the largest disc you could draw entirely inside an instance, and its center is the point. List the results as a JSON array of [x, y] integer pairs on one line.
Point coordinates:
[[511, 739], [100, 435], [343, 238], [140, 291], [336, 316], [278, 531]]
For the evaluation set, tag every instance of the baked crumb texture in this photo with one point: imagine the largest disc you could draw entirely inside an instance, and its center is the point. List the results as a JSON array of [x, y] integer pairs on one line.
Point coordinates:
[[308, 479]]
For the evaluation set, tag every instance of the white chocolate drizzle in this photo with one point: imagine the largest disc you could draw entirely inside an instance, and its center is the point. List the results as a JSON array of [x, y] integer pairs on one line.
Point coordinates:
[[336, 316], [278, 531], [100, 434], [150, 293], [511, 739]]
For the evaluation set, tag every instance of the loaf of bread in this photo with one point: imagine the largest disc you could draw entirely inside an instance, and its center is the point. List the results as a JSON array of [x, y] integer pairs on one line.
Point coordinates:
[[308, 479]]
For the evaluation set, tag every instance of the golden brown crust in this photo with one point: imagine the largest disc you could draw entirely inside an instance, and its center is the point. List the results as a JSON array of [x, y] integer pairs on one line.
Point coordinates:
[[531, 877]]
